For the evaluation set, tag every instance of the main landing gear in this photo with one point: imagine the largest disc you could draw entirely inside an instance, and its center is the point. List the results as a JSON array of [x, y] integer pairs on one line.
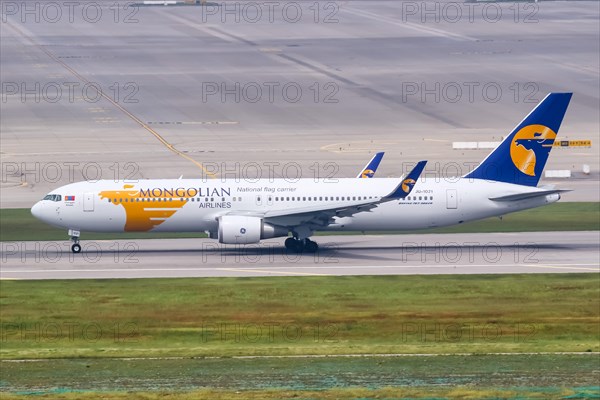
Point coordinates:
[[301, 245], [76, 247]]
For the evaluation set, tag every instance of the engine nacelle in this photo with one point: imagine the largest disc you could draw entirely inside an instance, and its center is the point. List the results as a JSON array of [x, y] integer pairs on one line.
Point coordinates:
[[239, 229]]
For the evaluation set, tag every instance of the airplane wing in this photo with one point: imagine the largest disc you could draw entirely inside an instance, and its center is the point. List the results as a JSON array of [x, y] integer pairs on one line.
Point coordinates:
[[369, 170], [322, 215], [318, 215]]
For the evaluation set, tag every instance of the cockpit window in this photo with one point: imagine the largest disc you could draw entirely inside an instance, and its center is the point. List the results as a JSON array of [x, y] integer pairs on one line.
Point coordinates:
[[53, 197]]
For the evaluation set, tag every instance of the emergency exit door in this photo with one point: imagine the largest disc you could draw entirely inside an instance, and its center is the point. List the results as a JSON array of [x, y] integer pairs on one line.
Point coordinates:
[[88, 202]]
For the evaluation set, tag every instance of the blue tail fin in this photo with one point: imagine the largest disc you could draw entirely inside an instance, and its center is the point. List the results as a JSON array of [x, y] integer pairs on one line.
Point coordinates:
[[521, 157]]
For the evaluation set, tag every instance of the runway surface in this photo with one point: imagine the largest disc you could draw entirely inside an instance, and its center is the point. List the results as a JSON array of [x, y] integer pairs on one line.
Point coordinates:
[[491, 253]]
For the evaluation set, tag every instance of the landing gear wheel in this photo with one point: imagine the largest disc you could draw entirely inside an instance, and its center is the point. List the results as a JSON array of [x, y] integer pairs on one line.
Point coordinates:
[[291, 244], [310, 246], [76, 248], [300, 246]]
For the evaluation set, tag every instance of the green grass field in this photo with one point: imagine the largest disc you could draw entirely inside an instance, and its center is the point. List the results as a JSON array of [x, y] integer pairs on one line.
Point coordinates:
[[476, 377], [19, 224], [300, 315], [87, 330]]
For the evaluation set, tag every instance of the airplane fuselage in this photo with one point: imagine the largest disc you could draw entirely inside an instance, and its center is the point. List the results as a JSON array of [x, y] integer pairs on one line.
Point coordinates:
[[188, 205]]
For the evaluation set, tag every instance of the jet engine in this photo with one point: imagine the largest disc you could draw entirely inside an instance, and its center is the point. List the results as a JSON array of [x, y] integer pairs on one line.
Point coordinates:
[[239, 229]]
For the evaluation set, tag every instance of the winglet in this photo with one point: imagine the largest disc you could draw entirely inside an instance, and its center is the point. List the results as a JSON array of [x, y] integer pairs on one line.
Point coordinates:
[[407, 184], [369, 170]]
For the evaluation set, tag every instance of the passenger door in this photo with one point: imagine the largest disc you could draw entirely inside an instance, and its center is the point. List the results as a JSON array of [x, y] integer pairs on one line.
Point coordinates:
[[88, 202]]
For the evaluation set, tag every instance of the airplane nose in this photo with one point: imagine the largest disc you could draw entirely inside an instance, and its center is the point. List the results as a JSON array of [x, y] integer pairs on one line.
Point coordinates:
[[36, 210]]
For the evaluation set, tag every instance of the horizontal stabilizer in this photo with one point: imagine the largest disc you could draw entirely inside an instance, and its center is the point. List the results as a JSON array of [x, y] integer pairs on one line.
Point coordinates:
[[528, 195]]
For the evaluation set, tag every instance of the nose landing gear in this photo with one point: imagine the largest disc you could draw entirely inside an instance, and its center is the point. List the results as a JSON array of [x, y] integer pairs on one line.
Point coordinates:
[[76, 247]]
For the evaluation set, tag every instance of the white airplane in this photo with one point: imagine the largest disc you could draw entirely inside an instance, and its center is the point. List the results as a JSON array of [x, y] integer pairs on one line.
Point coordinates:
[[238, 212]]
